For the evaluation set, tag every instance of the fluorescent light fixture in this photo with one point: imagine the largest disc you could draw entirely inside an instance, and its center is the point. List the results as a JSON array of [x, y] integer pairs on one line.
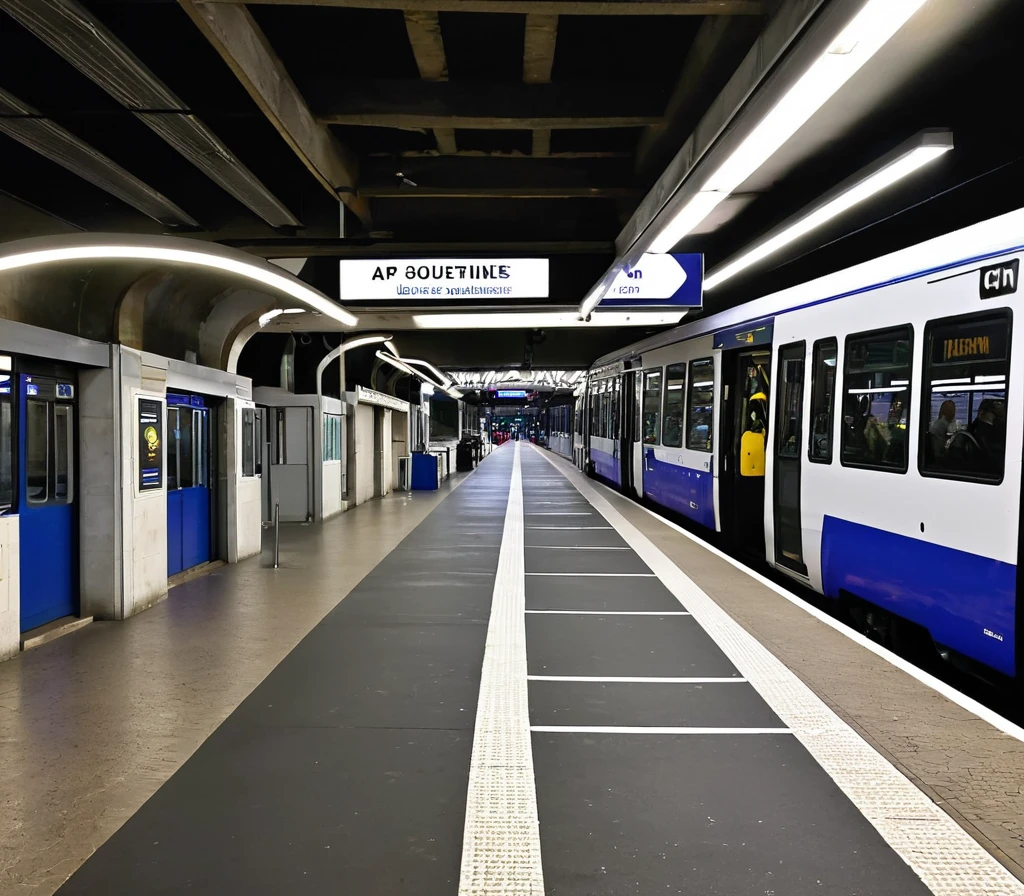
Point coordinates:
[[314, 300], [915, 154], [390, 346], [360, 341], [865, 35], [277, 312], [411, 371], [544, 319], [446, 380], [869, 31], [396, 363]]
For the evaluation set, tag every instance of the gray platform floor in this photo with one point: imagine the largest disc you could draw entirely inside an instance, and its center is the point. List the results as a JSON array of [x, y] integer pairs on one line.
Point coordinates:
[[345, 770]]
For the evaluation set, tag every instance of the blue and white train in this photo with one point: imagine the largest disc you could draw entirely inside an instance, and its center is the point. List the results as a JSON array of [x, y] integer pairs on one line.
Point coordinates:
[[861, 432]]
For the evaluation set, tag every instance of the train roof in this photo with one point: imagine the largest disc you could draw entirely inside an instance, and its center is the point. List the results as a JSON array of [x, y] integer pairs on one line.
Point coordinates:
[[987, 239]]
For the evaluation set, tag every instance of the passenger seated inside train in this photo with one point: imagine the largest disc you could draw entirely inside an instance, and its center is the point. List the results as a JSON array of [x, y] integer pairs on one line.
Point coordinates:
[[978, 449]]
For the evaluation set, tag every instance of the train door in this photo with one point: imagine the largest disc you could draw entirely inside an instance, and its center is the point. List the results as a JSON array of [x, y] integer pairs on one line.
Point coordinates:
[[46, 499], [788, 442], [744, 421], [627, 430], [189, 486]]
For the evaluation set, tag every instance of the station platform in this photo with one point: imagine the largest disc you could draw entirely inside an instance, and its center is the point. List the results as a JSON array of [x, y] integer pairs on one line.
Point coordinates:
[[520, 684]]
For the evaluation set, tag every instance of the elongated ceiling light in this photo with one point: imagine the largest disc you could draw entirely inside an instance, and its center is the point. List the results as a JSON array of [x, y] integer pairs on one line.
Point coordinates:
[[543, 319], [277, 312], [444, 378], [400, 363], [870, 30], [291, 287], [915, 154]]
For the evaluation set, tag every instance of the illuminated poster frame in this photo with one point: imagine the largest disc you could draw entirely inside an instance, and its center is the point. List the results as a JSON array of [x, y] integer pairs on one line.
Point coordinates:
[[151, 447]]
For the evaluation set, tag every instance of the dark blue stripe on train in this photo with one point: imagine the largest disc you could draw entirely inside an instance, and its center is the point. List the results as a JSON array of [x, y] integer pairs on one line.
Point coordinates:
[[688, 492], [606, 466], [966, 601]]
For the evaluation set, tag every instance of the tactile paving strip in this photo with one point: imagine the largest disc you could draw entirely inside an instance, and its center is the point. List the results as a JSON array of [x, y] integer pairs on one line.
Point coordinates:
[[501, 844], [944, 856]]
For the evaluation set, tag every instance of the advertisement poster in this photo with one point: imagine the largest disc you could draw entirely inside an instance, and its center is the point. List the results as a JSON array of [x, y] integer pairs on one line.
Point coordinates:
[[151, 448]]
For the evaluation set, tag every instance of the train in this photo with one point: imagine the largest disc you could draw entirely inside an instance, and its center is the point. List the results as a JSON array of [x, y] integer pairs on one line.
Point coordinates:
[[860, 433]]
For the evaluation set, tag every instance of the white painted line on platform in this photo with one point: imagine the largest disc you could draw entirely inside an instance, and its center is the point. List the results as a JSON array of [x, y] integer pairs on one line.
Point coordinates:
[[620, 679], [941, 853], [501, 842], [624, 729], [570, 547], [599, 575], [556, 513], [606, 612], [574, 528]]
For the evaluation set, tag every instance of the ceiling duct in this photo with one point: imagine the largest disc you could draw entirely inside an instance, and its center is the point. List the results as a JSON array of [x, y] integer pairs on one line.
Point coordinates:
[[79, 37], [26, 125]]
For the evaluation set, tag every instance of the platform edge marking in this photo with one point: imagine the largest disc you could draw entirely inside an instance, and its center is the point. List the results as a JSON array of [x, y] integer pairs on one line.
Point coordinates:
[[501, 842]]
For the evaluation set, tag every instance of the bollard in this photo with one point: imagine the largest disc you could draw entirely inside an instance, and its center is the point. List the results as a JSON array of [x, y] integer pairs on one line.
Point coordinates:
[[277, 534]]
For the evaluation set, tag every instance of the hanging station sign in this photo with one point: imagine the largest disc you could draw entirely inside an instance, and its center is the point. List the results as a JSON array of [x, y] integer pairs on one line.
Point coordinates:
[[437, 279], [484, 379], [656, 279], [151, 449]]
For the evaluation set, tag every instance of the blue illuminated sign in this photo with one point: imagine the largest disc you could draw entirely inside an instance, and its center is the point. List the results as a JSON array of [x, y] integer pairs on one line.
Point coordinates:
[[659, 280], [511, 393], [65, 390], [31, 389]]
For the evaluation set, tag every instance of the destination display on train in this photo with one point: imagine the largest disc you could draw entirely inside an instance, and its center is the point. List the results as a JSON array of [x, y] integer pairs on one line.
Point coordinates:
[[441, 279], [979, 341]]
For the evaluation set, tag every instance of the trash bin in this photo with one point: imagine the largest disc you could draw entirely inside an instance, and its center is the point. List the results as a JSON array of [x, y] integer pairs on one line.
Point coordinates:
[[464, 456], [424, 472]]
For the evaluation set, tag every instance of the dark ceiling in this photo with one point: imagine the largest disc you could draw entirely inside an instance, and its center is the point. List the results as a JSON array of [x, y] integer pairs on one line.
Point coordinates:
[[475, 126]]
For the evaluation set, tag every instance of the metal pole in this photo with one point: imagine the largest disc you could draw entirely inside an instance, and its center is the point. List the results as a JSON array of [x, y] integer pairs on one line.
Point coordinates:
[[277, 534]]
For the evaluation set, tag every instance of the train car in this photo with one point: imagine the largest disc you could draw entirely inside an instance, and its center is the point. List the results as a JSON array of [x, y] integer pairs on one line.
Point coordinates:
[[861, 433]]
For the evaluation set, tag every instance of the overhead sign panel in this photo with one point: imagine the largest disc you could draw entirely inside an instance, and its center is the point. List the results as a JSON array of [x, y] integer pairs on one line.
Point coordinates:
[[656, 279], [438, 279], [498, 378]]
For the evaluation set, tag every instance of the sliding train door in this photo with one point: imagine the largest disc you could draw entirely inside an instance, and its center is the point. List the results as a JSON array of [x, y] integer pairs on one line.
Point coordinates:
[[744, 421], [788, 456], [627, 431], [46, 497]]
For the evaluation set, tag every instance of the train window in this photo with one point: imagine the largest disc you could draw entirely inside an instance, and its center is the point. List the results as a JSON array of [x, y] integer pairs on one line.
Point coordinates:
[[823, 391], [248, 442], [200, 454], [6, 444], [63, 441], [876, 400], [37, 453], [652, 405], [963, 414], [700, 420], [332, 437], [183, 436], [614, 397], [791, 398], [259, 441], [675, 380]]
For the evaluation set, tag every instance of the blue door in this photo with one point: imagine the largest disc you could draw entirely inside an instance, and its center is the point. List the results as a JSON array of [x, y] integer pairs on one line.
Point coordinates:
[[46, 497], [188, 483]]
